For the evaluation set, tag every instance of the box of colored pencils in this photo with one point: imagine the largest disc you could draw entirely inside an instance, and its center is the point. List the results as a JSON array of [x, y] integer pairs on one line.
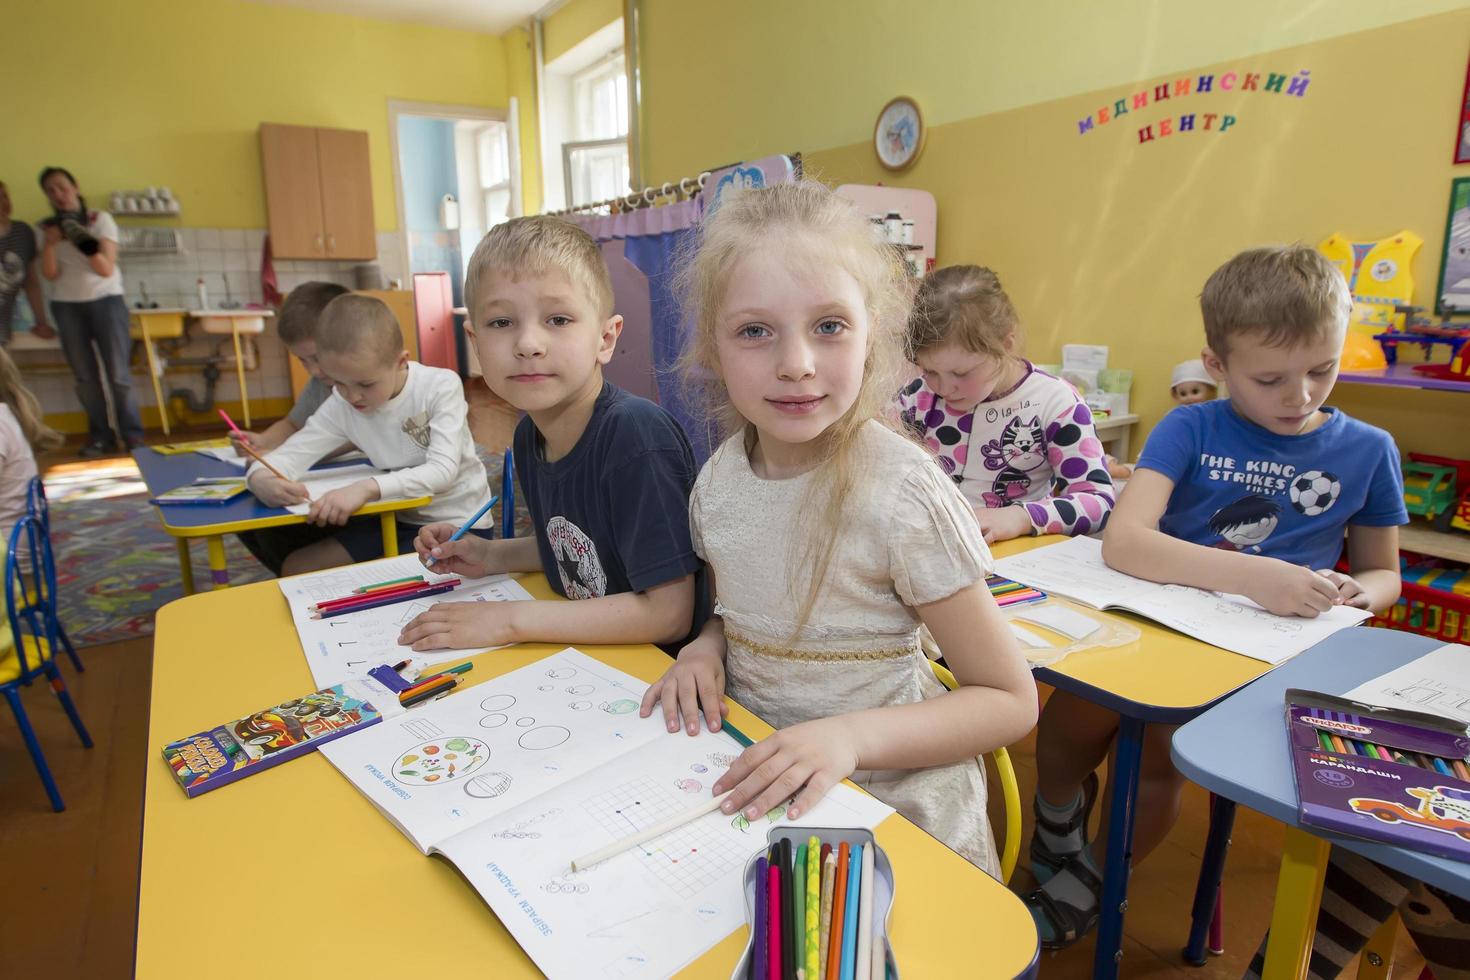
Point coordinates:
[[817, 903], [1383, 774], [1009, 593]]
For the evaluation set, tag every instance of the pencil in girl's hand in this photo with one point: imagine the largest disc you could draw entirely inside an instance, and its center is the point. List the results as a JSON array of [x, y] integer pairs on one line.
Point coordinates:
[[430, 559], [250, 451]]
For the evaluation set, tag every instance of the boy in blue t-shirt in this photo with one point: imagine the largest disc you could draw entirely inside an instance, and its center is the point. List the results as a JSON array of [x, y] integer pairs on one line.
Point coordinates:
[[1250, 496], [606, 475]]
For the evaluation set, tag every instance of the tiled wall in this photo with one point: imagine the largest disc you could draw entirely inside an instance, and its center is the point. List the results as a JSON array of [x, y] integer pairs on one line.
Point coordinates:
[[219, 256]]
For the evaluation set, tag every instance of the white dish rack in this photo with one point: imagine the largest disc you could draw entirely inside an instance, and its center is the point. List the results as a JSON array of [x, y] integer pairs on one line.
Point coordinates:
[[148, 241]]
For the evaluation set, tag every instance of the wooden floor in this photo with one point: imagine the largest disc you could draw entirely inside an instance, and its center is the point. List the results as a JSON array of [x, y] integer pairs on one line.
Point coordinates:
[[70, 880]]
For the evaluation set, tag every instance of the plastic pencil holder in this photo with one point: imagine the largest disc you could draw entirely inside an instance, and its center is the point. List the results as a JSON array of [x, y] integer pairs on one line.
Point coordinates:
[[798, 835]]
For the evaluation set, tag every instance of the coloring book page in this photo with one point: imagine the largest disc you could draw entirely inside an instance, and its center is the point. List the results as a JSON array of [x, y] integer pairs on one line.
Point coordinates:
[[351, 644], [653, 908], [320, 482], [1437, 683], [1075, 569], [463, 759]]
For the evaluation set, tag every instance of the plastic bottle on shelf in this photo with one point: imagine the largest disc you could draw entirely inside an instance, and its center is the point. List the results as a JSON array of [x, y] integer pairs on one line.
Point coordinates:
[[203, 293]]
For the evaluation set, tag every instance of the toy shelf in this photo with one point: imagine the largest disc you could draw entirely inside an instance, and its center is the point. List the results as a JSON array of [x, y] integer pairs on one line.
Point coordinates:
[[1401, 376], [1420, 537]]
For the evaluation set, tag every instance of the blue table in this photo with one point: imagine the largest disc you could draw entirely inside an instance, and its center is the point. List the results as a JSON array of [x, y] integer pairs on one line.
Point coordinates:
[[182, 521], [1238, 751]]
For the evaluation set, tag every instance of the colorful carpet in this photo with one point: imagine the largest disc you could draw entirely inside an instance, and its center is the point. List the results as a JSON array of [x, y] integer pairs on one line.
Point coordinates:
[[114, 565]]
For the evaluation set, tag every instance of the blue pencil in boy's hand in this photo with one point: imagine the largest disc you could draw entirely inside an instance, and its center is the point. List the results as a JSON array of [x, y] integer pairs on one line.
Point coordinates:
[[430, 559]]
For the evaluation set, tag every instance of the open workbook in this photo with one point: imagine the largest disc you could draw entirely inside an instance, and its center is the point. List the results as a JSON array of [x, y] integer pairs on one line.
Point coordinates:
[[514, 778], [1075, 569], [351, 645]]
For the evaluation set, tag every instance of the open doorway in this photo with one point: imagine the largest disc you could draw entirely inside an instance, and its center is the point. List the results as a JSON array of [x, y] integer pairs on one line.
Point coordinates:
[[457, 175]]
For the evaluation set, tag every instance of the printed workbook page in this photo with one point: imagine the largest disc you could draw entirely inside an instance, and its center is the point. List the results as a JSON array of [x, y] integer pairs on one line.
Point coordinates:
[[351, 644], [653, 908], [1075, 568], [435, 770]]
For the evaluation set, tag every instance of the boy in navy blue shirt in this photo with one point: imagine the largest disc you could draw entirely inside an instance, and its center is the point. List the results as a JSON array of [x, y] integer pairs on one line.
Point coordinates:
[[606, 475], [1250, 495]]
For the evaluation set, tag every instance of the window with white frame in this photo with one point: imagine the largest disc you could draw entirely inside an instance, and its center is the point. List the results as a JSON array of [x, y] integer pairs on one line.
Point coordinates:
[[595, 160]]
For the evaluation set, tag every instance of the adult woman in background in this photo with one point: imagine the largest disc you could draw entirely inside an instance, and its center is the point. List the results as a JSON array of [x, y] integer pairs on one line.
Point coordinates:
[[79, 257]]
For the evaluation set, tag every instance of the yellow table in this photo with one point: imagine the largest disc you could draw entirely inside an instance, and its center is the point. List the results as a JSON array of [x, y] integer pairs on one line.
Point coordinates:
[[294, 866], [1163, 677]]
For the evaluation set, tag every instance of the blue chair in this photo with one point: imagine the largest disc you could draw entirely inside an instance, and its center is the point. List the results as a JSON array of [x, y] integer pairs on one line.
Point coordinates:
[[32, 640], [37, 507], [508, 497]]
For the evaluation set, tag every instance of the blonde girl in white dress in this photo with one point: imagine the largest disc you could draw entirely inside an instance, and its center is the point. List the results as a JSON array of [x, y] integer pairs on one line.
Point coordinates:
[[831, 537]]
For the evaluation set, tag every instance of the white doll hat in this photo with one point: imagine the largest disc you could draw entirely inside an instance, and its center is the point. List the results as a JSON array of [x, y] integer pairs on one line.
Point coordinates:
[[1191, 371]]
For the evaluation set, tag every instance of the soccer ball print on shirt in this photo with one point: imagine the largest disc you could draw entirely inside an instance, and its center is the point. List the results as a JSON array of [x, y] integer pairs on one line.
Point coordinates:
[[582, 574]]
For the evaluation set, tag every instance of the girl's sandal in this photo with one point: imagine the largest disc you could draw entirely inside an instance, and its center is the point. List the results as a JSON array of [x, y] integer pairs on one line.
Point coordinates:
[[1068, 922], [1044, 861]]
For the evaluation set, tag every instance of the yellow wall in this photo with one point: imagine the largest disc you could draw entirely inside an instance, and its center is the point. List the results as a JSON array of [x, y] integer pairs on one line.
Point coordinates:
[[1102, 240], [575, 21], [520, 73], [171, 92], [777, 76]]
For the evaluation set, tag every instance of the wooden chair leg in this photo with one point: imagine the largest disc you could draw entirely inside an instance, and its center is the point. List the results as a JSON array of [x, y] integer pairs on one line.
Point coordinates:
[[1377, 958]]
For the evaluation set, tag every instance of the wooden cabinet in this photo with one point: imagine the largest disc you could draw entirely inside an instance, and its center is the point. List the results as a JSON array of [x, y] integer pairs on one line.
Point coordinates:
[[318, 192]]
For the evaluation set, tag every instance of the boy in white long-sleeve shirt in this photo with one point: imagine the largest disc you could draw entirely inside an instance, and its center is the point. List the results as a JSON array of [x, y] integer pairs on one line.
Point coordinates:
[[408, 418]]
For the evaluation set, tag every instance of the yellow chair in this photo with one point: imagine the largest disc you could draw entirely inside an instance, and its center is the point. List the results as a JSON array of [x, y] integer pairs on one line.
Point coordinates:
[[1010, 790]]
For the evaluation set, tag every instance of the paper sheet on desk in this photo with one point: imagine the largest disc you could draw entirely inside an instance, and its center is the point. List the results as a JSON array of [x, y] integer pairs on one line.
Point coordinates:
[[352, 644], [225, 454], [1437, 683], [319, 482]]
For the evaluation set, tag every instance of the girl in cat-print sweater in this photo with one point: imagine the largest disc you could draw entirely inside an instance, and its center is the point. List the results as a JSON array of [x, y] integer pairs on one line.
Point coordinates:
[[1019, 442]]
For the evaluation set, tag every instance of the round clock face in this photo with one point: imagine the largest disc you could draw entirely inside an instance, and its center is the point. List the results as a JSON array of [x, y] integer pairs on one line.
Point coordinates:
[[899, 134]]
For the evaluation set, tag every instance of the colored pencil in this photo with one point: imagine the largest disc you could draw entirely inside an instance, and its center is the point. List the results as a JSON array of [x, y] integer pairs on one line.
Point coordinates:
[[864, 968], [249, 451], [231, 423], [352, 600], [798, 911], [430, 559], [413, 692], [1461, 770], [400, 665], [1423, 761], [824, 927], [788, 912], [392, 581], [839, 909], [1371, 750], [1337, 744], [428, 694], [1324, 741], [813, 904], [450, 672], [855, 888], [1403, 759], [758, 953], [1440, 767], [773, 920], [649, 833], [390, 600]]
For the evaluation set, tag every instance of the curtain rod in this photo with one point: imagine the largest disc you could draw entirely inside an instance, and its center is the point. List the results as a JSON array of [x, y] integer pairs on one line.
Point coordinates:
[[687, 187]]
